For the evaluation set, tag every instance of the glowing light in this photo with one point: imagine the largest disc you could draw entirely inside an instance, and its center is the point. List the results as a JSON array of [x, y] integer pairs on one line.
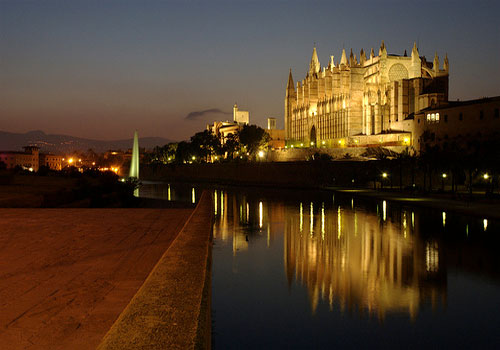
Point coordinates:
[[222, 203], [301, 218], [70, 161], [301, 145], [80, 160], [485, 224], [291, 146], [384, 210], [286, 146], [444, 175], [312, 143], [248, 212], [412, 220], [30, 169], [260, 214], [486, 176], [215, 202], [193, 195], [193, 158], [352, 203], [311, 220], [261, 154], [322, 142], [444, 219], [406, 140], [168, 193], [339, 223], [323, 220], [432, 257], [93, 163]]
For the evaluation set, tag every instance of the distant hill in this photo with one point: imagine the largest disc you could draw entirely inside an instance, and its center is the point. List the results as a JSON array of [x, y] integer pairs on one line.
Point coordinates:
[[63, 143]]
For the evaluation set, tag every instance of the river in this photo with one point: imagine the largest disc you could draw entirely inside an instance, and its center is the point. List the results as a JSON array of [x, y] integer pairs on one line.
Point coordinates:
[[312, 269]]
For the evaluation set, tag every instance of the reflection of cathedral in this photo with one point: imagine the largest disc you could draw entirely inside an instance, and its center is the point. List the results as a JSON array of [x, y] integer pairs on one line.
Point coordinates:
[[353, 259]]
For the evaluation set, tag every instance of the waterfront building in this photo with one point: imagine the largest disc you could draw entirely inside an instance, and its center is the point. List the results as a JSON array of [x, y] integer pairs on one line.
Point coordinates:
[[362, 102], [459, 121], [27, 160], [222, 129]]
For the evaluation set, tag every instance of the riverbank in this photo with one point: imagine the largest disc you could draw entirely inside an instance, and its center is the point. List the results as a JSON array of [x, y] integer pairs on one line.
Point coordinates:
[[171, 310], [347, 177]]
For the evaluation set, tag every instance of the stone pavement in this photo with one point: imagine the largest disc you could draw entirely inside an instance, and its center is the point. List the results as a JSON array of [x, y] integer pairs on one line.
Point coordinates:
[[67, 274]]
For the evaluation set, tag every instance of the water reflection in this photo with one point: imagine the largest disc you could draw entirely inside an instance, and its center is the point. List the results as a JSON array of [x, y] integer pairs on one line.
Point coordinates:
[[348, 258], [379, 270]]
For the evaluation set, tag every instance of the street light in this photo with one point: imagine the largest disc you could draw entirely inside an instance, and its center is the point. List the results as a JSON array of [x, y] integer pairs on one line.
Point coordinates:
[[384, 175], [486, 176]]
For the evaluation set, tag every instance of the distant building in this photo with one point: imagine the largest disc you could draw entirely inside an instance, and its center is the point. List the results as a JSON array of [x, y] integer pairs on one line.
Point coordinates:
[[52, 161], [271, 123], [28, 160], [222, 129], [240, 117]]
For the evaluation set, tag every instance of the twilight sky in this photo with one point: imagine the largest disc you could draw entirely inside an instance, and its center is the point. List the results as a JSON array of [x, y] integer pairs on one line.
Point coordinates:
[[100, 69]]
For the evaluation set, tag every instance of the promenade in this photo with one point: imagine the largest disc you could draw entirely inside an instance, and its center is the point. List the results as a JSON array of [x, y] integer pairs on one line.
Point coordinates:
[[67, 274]]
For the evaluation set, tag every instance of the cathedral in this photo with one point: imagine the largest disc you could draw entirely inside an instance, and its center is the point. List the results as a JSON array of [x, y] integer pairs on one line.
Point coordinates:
[[362, 102]]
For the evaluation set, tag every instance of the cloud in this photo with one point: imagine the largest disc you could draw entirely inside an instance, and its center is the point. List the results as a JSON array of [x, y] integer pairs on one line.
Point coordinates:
[[202, 114]]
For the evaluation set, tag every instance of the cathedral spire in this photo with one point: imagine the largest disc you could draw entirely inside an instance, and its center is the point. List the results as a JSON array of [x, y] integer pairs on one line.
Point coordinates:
[[332, 63], [362, 57], [314, 66], [372, 53], [383, 50], [290, 87], [435, 64], [351, 59], [446, 64], [414, 51], [343, 59]]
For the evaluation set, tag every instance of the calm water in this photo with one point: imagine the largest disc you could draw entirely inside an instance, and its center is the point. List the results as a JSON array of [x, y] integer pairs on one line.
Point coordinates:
[[295, 269]]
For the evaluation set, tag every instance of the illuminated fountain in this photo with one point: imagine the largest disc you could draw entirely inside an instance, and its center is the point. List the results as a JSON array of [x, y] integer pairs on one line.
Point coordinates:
[[134, 164]]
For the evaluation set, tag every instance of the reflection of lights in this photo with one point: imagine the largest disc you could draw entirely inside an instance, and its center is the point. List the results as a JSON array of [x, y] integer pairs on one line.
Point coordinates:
[[222, 203], [384, 210], [412, 220], [467, 230], [168, 193], [311, 219], [193, 195], [323, 220], [485, 224], [215, 202], [431, 257], [339, 223], [444, 219], [260, 214], [352, 202], [301, 218], [248, 213]]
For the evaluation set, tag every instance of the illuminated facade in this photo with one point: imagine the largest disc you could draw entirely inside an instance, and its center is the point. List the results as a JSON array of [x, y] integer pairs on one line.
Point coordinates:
[[27, 160], [362, 102]]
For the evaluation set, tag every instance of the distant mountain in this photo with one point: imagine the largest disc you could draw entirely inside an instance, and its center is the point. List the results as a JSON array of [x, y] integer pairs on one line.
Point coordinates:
[[64, 144]]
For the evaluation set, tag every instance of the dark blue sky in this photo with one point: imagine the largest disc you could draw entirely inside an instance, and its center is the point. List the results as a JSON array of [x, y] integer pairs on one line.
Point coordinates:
[[101, 69]]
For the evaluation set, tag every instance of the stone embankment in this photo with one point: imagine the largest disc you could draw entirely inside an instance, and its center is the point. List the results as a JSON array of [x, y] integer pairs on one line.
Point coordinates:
[[172, 308]]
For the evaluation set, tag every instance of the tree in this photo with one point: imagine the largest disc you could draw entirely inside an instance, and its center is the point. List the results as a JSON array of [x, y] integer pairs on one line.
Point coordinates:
[[205, 144], [232, 145], [253, 138]]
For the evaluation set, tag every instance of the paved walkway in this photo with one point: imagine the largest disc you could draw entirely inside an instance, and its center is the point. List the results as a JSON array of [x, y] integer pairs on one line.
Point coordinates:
[[67, 274], [172, 308]]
